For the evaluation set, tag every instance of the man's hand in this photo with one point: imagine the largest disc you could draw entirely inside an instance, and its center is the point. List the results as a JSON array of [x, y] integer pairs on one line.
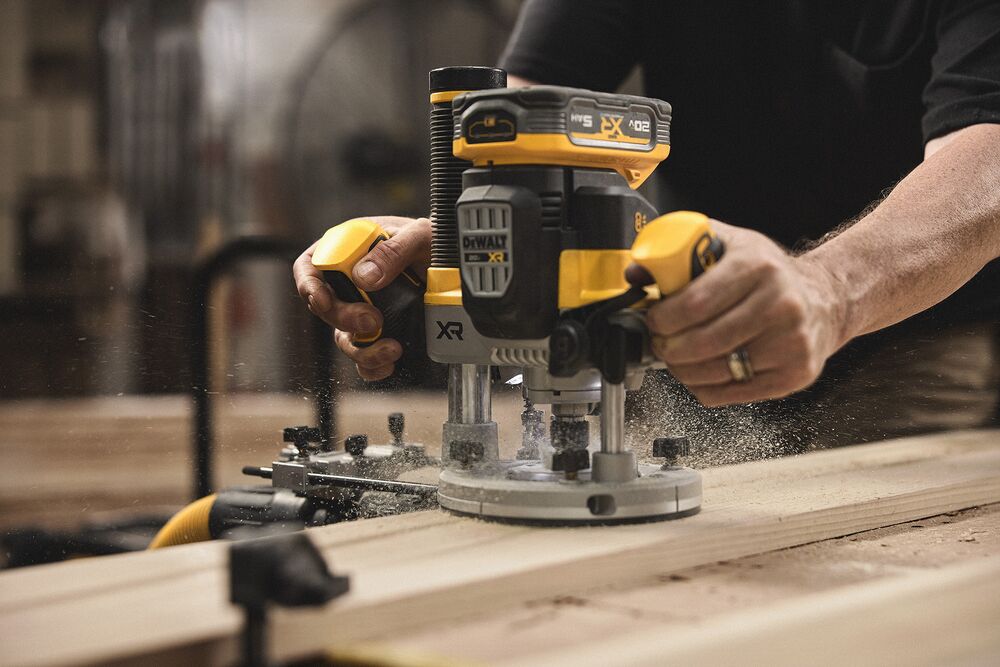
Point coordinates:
[[409, 245], [784, 310]]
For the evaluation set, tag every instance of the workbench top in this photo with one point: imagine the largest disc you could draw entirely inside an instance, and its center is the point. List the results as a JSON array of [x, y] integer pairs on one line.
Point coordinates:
[[878, 554]]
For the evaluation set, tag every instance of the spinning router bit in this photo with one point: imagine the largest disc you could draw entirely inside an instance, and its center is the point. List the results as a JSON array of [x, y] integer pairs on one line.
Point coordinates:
[[535, 218]]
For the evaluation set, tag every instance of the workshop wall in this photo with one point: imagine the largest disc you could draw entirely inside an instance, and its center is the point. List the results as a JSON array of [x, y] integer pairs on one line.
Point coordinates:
[[138, 137]]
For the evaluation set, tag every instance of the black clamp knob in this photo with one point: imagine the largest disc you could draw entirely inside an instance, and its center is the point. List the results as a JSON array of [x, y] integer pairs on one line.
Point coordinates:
[[302, 437], [571, 460], [672, 448], [569, 346], [397, 422], [288, 571], [465, 452], [355, 445]]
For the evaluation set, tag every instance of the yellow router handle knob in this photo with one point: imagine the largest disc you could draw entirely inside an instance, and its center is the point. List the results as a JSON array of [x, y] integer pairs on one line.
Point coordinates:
[[336, 254], [399, 302], [676, 248]]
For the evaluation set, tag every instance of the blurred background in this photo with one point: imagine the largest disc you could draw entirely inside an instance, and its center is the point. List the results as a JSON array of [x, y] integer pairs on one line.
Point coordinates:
[[137, 137], [161, 164]]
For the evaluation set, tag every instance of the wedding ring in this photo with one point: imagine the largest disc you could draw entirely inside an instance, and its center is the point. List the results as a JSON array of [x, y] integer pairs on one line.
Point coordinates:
[[739, 365]]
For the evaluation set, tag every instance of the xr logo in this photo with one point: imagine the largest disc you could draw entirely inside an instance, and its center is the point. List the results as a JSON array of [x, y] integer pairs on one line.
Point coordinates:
[[612, 125], [449, 330], [496, 257]]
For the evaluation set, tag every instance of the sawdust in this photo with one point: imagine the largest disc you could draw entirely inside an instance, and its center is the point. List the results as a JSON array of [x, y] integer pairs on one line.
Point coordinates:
[[718, 436]]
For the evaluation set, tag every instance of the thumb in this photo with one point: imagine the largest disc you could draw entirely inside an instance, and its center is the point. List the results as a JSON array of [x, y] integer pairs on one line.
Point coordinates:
[[388, 259]]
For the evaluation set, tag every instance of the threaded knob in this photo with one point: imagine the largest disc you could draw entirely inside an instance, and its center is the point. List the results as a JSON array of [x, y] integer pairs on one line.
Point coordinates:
[[672, 448], [466, 78], [397, 422], [301, 436], [355, 445], [569, 434]]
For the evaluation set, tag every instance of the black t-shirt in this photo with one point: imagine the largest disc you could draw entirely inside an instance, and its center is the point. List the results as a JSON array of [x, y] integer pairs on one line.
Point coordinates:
[[789, 117]]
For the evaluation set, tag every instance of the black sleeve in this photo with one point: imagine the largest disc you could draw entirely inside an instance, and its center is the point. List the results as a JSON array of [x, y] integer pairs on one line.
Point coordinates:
[[964, 88], [580, 43]]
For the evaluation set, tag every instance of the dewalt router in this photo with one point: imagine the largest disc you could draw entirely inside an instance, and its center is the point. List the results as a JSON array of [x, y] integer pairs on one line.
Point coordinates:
[[535, 218]]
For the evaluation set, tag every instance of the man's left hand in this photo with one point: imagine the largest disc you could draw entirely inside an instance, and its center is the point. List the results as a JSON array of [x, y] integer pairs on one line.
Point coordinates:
[[784, 311]]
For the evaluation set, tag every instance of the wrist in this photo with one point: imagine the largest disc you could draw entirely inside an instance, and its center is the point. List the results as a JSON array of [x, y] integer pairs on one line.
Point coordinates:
[[833, 295]]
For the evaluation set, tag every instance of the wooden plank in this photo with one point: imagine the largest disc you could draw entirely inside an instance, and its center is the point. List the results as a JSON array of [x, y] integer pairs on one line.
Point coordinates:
[[943, 617], [414, 571], [672, 604]]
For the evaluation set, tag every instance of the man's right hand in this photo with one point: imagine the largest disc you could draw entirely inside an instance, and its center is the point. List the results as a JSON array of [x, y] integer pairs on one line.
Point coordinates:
[[409, 244]]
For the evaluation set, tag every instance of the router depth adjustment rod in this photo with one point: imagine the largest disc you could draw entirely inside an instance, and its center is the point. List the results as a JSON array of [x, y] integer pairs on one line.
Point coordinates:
[[469, 397]]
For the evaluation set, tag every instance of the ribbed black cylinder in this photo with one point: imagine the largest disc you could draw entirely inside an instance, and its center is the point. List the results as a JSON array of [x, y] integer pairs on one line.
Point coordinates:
[[446, 186], [446, 169]]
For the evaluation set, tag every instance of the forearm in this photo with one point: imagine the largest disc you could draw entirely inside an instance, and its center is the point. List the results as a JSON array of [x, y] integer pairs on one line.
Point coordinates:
[[935, 231]]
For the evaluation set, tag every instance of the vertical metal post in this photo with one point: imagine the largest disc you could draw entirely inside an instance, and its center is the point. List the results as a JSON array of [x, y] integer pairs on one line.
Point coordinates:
[[613, 463], [476, 394], [612, 418]]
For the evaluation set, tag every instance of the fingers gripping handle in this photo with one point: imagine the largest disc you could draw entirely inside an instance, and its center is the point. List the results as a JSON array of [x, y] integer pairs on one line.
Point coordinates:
[[337, 253], [676, 248]]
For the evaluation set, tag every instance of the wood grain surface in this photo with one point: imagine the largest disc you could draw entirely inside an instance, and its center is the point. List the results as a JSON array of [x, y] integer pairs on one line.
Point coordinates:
[[676, 603], [419, 571], [942, 617]]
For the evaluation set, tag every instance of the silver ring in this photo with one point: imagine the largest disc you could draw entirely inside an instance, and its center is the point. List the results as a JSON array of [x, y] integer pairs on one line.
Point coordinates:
[[739, 365]]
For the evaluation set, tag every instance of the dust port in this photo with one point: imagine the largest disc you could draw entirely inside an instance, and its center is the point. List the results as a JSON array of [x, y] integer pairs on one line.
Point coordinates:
[[601, 505]]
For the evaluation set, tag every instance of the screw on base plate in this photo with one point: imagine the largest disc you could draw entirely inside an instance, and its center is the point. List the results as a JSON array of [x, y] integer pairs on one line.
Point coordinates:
[[671, 449]]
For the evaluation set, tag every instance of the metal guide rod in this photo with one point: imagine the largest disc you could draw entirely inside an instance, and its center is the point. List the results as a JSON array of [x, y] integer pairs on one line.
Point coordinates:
[[349, 482], [469, 394], [612, 418], [468, 385], [476, 394]]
